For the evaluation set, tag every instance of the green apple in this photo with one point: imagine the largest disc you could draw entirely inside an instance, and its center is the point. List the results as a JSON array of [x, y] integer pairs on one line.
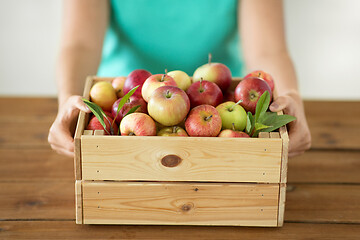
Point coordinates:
[[182, 80], [232, 115]]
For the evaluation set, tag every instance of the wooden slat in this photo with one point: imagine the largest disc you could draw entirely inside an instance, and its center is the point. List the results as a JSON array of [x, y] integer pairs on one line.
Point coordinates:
[[281, 210], [37, 200], [140, 158], [78, 202], [323, 203], [325, 167], [274, 135], [99, 132], [334, 124], [264, 135], [34, 164], [88, 132], [69, 230], [180, 203], [80, 126], [334, 203]]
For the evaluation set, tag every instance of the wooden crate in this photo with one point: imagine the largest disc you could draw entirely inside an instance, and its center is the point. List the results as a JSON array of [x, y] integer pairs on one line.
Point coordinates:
[[179, 181]]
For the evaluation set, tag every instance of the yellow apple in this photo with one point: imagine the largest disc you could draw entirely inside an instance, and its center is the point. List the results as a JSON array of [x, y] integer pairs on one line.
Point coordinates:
[[182, 80], [103, 94]]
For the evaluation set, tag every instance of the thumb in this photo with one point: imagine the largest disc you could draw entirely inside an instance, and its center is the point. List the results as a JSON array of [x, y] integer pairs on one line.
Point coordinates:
[[279, 104], [79, 103]]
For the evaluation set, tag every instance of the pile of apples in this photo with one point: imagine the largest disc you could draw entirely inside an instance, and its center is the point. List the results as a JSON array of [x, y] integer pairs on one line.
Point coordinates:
[[173, 104]]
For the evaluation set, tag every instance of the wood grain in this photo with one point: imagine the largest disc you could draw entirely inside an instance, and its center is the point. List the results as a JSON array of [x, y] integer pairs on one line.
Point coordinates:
[[78, 202], [323, 203], [334, 124], [34, 164], [37, 200], [180, 203], [325, 167], [139, 158], [80, 126], [69, 230]]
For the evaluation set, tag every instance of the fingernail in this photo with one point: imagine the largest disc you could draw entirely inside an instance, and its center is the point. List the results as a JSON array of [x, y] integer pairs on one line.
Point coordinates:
[[275, 105]]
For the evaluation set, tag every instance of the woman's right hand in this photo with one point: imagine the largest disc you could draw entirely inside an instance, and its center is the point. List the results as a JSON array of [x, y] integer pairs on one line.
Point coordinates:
[[62, 130]]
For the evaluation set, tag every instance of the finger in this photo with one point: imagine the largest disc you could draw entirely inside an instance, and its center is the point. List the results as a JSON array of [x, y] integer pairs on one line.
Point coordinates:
[[63, 151], [79, 104], [279, 104], [61, 137], [293, 154]]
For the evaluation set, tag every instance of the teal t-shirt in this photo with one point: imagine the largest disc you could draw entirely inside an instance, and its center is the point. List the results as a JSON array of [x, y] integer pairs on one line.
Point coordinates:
[[171, 34]]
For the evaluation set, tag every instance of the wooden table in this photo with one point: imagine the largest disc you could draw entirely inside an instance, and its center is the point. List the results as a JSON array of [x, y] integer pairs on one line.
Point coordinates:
[[37, 186]]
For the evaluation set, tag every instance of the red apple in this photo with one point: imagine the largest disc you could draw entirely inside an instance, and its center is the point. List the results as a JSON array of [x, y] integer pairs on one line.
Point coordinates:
[[264, 76], [214, 72], [133, 101], [249, 91], [203, 121], [154, 82], [118, 85], [135, 78], [94, 124], [232, 133], [168, 105], [137, 124], [204, 92], [172, 132], [106, 113]]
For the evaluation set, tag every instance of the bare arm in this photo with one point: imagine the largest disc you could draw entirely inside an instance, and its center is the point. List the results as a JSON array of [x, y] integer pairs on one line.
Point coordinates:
[[262, 33], [84, 26], [83, 30]]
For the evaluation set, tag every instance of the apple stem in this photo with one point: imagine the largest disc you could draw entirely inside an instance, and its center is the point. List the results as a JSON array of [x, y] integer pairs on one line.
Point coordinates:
[[165, 71], [132, 134], [174, 129], [162, 78], [233, 127], [168, 95], [201, 88], [232, 108], [259, 74], [209, 58], [208, 118]]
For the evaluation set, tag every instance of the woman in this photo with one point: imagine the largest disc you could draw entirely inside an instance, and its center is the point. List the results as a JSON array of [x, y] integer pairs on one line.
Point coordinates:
[[176, 35]]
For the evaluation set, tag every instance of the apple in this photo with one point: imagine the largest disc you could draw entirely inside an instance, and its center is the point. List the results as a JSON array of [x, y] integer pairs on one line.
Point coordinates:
[[232, 115], [182, 80], [94, 124], [118, 85], [214, 72], [154, 82], [172, 132], [133, 101], [204, 92], [108, 114], [136, 78], [137, 124], [264, 76], [103, 94], [232, 133], [249, 91], [229, 96], [203, 121], [168, 105]]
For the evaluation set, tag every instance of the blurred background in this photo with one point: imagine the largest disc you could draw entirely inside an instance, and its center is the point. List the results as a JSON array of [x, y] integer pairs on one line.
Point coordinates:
[[323, 38]]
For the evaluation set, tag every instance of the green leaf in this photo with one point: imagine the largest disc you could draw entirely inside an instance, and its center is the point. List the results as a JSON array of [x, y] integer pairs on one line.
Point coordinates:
[[260, 126], [262, 105], [132, 110], [277, 122], [250, 123], [98, 113], [124, 100]]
